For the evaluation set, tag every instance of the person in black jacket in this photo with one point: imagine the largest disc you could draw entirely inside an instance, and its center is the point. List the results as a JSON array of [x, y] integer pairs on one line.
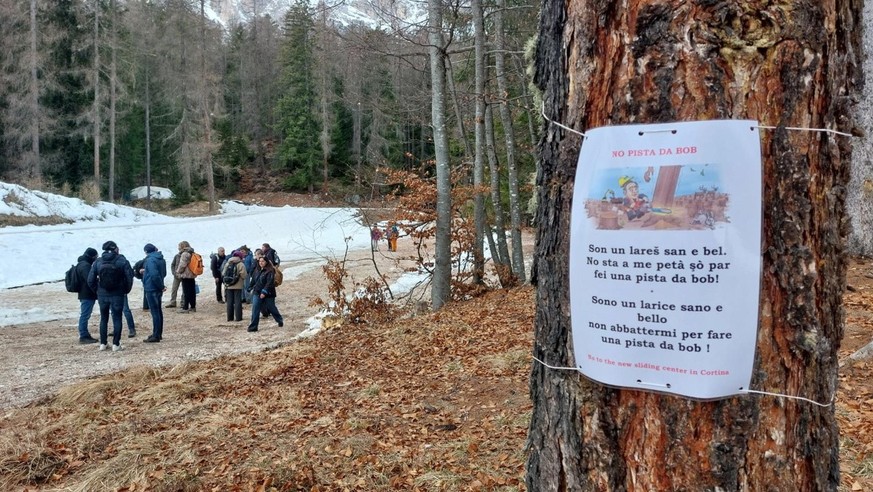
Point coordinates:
[[215, 266], [87, 297], [112, 277], [264, 293]]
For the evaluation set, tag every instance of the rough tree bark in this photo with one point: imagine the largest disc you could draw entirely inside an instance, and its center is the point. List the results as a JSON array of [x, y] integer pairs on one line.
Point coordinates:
[[784, 63]]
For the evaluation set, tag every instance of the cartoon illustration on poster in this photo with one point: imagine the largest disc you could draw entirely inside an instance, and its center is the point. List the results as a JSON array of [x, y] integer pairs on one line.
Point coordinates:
[[665, 257], [669, 197]]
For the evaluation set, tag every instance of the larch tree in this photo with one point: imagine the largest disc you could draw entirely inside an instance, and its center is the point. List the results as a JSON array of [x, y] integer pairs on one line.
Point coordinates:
[[785, 64], [95, 115], [20, 87], [207, 110]]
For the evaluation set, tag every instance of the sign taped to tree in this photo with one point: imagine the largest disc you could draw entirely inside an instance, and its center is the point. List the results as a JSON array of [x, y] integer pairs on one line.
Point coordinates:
[[665, 259]]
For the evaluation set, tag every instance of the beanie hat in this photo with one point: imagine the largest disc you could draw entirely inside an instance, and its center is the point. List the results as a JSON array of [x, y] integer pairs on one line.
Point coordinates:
[[91, 253], [150, 248], [109, 246], [239, 254]]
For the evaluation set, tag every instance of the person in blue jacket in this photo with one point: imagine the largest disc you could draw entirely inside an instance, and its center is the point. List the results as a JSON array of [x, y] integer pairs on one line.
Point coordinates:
[[154, 269]]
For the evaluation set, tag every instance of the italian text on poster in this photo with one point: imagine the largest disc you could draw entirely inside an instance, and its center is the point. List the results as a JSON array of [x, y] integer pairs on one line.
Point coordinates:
[[665, 256]]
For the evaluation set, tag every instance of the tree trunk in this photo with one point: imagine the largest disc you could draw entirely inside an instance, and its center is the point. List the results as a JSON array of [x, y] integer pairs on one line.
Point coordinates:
[[97, 94], [501, 254], [459, 116], [509, 138], [207, 119], [440, 287], [113, 96], [792, 63], [147, 124], [479, 151], [860, 191], [35, 169], [325, 88]]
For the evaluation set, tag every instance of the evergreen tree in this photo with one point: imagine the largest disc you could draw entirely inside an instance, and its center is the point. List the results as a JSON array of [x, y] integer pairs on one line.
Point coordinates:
[[341, 159], [67, 152], [296, 109]]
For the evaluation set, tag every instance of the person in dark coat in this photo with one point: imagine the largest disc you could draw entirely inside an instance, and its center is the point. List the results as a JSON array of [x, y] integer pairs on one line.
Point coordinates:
[[270, 254], [264, 292], [215, 265], [87, 296], [111, 276], [153, 271], [249, 262], [233, 294]]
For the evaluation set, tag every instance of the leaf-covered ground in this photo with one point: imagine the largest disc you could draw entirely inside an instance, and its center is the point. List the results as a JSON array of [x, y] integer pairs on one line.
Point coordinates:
[[435, 402], [855, 394]]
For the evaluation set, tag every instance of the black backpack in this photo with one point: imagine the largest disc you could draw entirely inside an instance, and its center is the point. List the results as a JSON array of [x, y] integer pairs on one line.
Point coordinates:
[[230, 275], [72, 281], [111, 277]]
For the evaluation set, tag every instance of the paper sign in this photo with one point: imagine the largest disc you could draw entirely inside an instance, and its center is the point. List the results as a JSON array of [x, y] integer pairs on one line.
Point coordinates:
[[665, 258]]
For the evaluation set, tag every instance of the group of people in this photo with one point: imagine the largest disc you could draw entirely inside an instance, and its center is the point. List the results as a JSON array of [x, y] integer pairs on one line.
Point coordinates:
[[244, 277], [107, 279], [391, 233]]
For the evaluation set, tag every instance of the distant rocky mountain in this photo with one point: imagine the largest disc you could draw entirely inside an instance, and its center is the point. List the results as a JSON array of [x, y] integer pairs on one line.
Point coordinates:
[[373, 13]]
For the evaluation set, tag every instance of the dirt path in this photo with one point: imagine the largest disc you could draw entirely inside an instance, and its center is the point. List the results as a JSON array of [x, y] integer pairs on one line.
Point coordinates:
[[39, 358]]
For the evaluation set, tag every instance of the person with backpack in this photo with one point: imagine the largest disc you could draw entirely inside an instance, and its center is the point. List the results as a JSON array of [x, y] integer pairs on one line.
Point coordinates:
[[87, 295], [215, 264], [177, 281], [249, 262], [264, 293], [153, 271], [186, 272], [233, 277], [270, 254], [392, 233], [111, 276]]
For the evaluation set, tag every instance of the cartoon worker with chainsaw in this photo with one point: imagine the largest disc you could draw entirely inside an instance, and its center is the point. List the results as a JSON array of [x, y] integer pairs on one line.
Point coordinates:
[[634, 204]]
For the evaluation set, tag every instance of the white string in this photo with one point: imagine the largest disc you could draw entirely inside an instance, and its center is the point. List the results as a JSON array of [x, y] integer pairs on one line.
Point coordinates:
[[748, 391], [780, 395], [543, 111], [763, 127], [556, 367], [825, 130]]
